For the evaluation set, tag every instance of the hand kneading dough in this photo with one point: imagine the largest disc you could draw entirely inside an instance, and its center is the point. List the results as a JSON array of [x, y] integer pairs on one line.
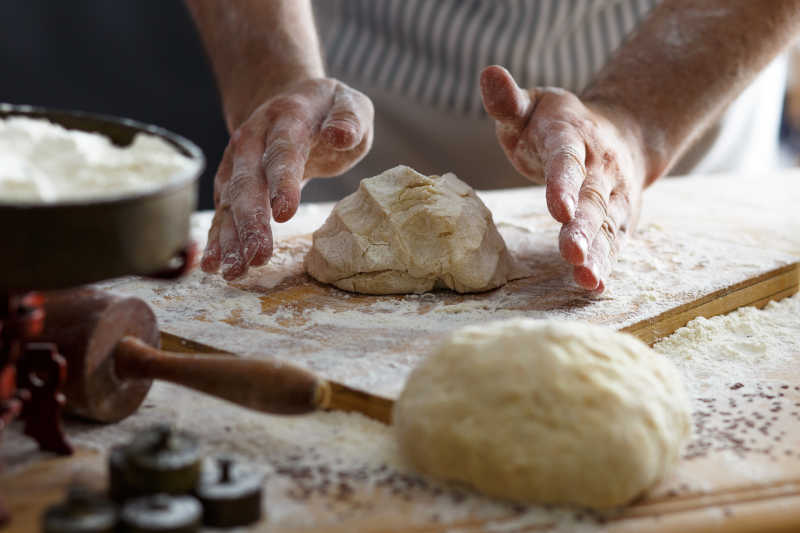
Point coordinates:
[[403, 232], [545, 411]]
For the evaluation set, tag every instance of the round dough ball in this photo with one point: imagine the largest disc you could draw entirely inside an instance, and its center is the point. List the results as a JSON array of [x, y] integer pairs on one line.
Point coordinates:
[[403, 232], [546, 412]]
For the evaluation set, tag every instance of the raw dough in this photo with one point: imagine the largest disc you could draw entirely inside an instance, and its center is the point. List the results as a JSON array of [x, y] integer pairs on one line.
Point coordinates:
[[403, 232], [545, 411]]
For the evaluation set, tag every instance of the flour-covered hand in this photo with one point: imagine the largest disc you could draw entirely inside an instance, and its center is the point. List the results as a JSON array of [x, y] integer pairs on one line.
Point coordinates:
[[315, 128], [588, 155]]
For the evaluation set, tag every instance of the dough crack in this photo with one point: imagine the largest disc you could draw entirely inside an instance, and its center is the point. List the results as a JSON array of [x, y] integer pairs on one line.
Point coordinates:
[[403, 232]]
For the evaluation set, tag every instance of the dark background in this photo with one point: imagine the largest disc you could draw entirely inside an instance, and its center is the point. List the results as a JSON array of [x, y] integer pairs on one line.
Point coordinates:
[[140, 59]]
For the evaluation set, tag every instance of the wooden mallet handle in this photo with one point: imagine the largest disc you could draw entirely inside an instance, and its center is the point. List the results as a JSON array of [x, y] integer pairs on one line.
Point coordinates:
[[264, 385]]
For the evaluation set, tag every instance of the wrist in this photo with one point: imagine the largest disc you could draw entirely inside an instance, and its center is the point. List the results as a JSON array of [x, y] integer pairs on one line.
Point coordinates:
[[250, 87], [645, 146]]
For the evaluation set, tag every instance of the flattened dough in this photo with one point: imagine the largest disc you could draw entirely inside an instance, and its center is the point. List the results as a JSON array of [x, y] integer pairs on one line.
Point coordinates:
[[545, 412], [403, 232]]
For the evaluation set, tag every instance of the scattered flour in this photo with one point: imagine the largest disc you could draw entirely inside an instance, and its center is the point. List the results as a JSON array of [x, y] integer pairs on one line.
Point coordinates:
[[739, 370], [373, 342], [42, 162], [737, 346], [335, 469], [338, 468]]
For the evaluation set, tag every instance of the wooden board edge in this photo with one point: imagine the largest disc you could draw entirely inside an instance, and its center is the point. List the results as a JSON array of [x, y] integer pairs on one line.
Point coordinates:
[[733, 495], [347, 399], [736, 510], [773, 285], [770, 286], [174, 343], [772, 514]]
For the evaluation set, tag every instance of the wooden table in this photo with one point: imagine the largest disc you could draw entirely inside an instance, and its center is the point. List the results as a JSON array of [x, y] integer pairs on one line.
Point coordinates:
[[705, 246]]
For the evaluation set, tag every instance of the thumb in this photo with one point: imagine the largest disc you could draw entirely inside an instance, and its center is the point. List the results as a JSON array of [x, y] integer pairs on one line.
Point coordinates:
[[503, 99], [349, 119]]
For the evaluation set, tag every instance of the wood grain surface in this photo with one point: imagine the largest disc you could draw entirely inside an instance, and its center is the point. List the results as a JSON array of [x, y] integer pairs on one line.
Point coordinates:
[[669, 274], [692, 258]]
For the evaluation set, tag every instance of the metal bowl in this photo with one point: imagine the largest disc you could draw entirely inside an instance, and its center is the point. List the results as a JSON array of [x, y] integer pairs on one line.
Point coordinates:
[[63, 244]]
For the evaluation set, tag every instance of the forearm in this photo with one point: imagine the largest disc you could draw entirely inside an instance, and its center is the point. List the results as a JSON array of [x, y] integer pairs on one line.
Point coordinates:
[[687, 61], [256, 48]]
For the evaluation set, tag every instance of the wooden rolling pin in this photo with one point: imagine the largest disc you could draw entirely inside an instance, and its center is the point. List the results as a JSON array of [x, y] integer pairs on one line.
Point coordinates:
[[112, 349]]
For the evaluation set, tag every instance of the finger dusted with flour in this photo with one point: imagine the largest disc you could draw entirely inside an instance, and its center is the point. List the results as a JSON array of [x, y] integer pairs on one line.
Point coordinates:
[[584, 160], [662, 88], [289, 123]]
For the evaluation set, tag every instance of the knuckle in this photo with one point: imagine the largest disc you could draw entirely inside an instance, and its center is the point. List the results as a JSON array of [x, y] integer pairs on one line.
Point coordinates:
[[570, 151], [609, 161], [236, 186], [240, 180], [571, 163], [236, 139], [241, 138], [621, 213], [558, 136], [286, 105], [614, 237], [591, 195], [585, 121], [609, 229], [553, 128], [287, 102], [220, 182], [278, 156], [251, 227], [610, 234]]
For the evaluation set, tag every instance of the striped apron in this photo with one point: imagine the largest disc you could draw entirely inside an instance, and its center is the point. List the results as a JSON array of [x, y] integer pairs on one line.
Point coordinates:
[[420, 60]]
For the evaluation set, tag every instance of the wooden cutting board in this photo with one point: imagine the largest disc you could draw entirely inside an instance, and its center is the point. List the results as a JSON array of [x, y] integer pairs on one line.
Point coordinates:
[[692, 257], [670, 273]]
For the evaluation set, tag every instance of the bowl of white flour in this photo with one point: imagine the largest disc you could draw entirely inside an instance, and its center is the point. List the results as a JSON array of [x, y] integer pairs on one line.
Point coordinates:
[[85, 197]]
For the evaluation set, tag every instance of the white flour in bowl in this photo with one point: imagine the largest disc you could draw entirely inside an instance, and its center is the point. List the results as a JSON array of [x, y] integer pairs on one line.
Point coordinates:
[[42, 162]]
